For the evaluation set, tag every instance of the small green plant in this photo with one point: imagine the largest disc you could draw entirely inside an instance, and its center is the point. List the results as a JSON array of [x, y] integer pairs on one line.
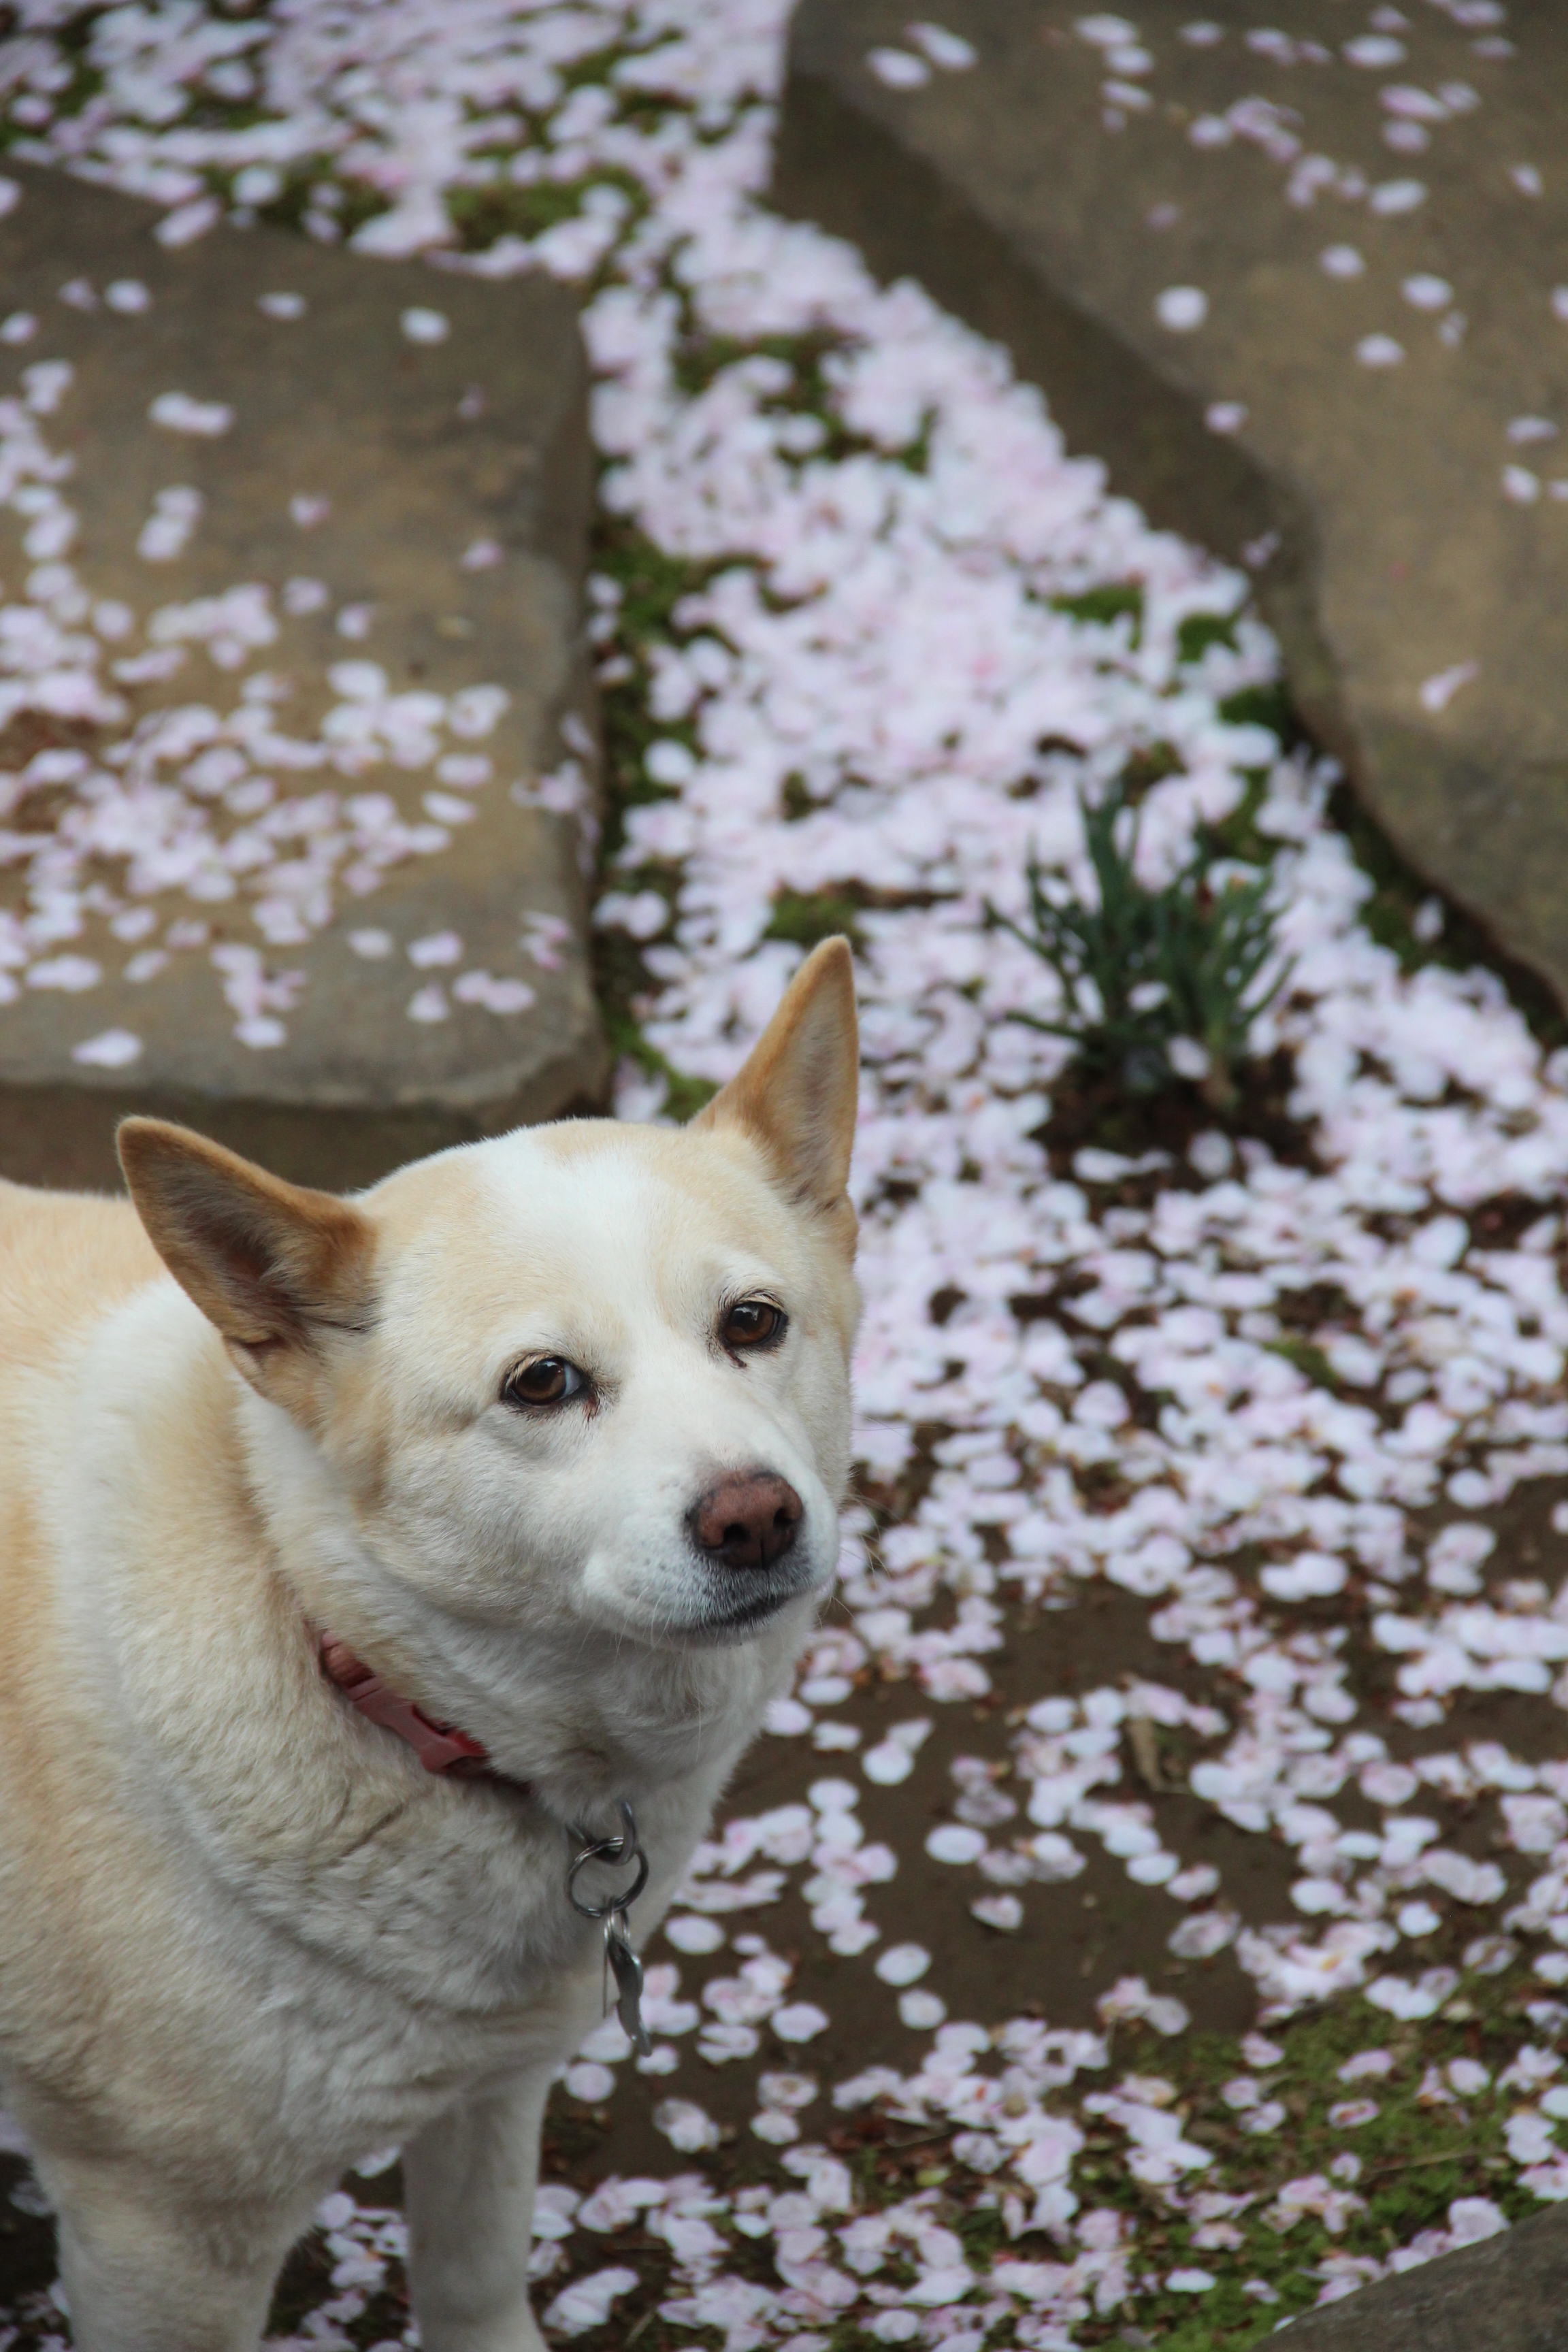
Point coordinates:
[[1157, 985]]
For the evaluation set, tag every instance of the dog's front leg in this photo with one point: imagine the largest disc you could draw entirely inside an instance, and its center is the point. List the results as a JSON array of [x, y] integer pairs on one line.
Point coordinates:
[[469, 2179], [144, 2271]]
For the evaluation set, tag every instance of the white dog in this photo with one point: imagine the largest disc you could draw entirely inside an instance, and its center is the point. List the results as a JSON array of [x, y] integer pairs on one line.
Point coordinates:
[[530, 1458]]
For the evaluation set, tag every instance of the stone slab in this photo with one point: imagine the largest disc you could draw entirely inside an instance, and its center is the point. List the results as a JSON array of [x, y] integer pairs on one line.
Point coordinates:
[[1412, 556], [363, 453], [1508, 2294]]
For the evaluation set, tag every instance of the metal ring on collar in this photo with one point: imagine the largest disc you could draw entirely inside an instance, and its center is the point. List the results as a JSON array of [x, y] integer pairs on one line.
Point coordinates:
[[613, 1851]]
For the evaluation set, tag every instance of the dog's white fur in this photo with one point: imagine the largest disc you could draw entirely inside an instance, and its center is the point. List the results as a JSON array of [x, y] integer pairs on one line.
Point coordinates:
[[243, 1937]]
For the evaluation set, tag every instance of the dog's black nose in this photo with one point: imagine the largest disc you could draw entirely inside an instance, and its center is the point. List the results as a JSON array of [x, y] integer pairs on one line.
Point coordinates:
[[748, 1521]]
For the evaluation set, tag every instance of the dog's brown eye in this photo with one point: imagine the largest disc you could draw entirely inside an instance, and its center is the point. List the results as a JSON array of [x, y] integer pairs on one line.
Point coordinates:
[[548, 1379], [753, 1323]]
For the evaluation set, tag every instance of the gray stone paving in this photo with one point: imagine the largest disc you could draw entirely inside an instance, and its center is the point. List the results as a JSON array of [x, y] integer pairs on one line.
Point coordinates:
[[1295, 281], [377, 427], [1508, 2294]]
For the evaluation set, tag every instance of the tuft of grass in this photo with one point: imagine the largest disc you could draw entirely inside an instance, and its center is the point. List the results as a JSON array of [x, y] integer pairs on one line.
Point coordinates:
[[482, 214], [1157, 985], [1263, 706], [1146, 766], [1308, 1360], [652, 584], [1105, 606], [298, 195], [1394, 907], [700, 358], [806, 920], [1199, 631]]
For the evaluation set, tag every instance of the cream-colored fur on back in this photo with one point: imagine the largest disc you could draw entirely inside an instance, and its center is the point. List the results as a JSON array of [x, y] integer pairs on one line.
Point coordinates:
[[243, 1936]]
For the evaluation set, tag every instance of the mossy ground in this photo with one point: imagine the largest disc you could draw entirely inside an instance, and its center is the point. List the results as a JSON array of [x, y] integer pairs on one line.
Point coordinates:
[[1411, 2160]]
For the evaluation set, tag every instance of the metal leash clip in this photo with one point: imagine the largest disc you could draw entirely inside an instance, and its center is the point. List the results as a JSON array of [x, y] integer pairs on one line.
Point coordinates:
[[620, 1954]]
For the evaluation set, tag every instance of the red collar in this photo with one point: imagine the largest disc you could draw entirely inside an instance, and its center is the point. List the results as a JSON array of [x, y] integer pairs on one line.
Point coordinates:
[[440, 1746]]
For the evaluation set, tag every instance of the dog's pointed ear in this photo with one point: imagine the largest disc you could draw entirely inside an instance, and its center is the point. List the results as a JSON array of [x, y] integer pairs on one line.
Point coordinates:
[[271, 1264], [796, 1094]]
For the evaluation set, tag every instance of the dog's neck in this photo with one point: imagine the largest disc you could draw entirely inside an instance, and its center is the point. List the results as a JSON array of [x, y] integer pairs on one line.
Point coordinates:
[[441, 1748]]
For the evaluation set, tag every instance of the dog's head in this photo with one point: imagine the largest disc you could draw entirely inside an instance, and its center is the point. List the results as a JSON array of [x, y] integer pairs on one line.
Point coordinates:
[[587, 1380]]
